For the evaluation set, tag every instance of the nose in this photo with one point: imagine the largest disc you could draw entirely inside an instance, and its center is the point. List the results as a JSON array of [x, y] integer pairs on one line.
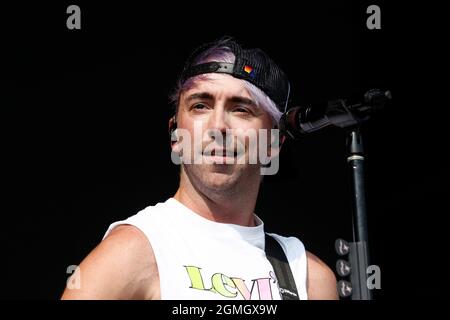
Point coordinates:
[[218, 121]]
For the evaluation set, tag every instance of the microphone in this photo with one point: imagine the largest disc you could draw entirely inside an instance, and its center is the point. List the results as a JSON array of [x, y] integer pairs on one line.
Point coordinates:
[[341, 113]]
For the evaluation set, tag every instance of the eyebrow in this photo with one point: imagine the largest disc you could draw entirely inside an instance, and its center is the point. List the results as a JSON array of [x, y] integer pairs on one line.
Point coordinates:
[[200, 96], [208, 96], [243, 100]]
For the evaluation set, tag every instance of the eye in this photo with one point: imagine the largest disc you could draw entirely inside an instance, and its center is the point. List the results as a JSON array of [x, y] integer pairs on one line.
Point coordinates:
[[242, 110], [199, 106]]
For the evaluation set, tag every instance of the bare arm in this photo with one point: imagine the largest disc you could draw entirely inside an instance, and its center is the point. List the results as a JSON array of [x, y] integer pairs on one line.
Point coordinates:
[[122, 266], [321, 281]]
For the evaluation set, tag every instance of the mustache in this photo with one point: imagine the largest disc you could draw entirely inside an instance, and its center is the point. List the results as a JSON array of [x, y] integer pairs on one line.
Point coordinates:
[[220, 152], [214, 149]]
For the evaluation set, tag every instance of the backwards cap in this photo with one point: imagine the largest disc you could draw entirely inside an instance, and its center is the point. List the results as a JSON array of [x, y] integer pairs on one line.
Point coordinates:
[[252, 65]]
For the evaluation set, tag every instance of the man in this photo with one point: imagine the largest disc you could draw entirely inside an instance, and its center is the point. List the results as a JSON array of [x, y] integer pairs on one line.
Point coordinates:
[[206, 242]]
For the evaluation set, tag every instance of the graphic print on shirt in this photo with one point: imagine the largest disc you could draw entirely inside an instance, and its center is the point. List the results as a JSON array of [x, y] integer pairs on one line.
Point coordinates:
[[231, 287]]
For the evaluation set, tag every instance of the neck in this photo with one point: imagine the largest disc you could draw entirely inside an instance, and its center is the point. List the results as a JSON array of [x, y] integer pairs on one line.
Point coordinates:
[[235, 207]]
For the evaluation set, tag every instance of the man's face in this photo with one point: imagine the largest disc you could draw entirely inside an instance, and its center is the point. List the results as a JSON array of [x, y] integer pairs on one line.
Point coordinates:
[[221, 110]]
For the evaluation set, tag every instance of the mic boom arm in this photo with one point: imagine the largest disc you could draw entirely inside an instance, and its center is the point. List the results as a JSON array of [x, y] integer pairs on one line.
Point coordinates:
[[340, 113]]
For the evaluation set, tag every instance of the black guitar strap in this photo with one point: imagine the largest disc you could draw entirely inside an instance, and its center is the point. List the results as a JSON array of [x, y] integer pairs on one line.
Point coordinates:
[[286, 283]]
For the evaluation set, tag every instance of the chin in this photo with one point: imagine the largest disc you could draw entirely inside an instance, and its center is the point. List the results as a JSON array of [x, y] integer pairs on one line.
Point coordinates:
[[219, 180]]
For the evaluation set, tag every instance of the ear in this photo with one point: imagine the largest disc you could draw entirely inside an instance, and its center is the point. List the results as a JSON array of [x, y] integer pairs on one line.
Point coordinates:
[[173, 137], [172, 124]]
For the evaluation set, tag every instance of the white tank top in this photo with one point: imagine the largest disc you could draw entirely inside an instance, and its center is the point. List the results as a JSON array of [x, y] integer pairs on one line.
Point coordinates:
[[199, 259]]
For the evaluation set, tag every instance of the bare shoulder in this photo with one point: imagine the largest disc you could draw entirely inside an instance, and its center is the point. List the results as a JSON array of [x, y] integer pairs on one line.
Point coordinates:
[[122, 266], [321, 281]]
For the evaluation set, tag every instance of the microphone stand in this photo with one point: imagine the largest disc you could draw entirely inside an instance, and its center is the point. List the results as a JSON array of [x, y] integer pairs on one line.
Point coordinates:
[[359, 249], [301, 121]]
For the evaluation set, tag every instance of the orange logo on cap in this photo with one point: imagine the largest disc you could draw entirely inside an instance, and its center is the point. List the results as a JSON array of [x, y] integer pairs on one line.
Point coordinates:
[[248, 69]]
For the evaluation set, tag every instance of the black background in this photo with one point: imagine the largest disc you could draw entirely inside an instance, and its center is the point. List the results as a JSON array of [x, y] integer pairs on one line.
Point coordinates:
[[85, 143]]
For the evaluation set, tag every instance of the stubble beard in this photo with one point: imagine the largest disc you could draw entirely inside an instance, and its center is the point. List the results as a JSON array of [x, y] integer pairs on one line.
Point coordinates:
[[220, 180]]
